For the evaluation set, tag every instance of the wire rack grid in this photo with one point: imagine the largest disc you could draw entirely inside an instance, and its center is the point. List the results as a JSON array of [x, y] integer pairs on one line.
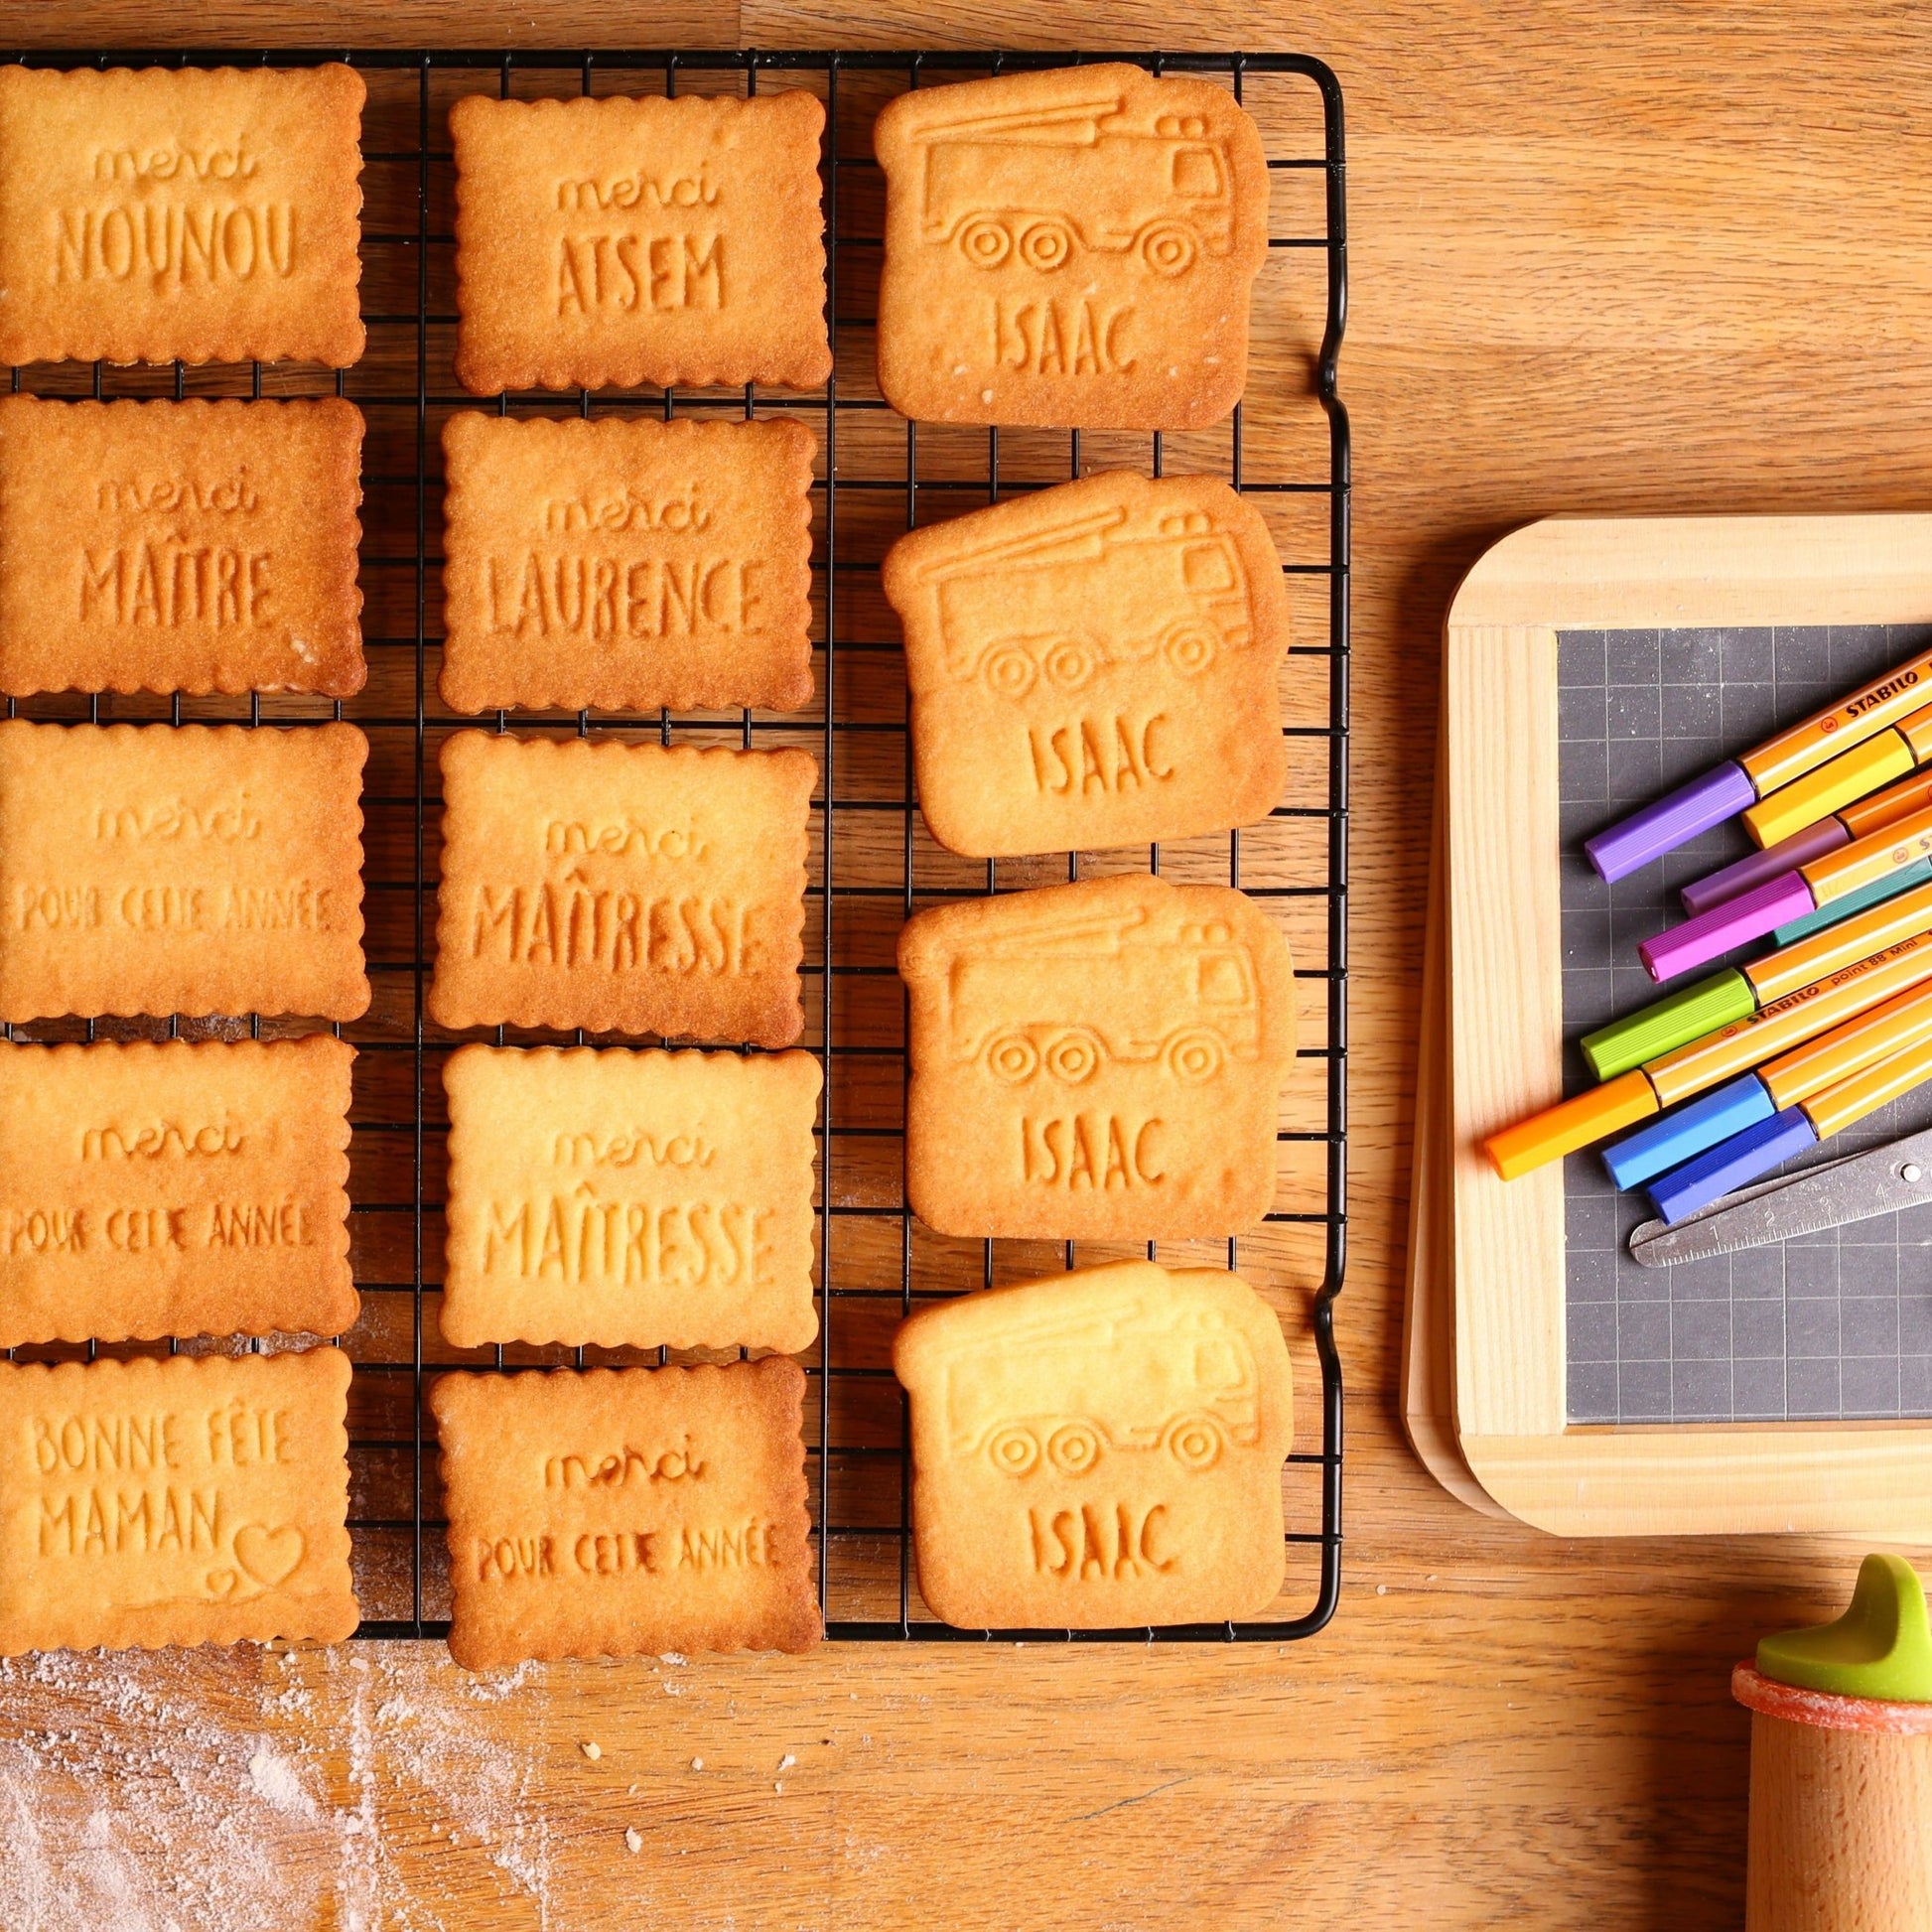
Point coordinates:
[[872, 865]]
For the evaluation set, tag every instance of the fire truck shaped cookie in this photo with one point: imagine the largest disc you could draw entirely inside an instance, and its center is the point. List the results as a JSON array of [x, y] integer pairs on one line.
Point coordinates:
[[1077, 177], [1069, 247], [1096, 664], [1099, 1448], [1101, 1060]]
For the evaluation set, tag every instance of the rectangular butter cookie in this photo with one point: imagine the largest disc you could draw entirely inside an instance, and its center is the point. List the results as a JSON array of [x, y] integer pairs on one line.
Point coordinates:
[[180, 546], [629, 1199], [607, 243], [193, 1499], [631, 888], [192, 869], [174, 1188], [627, 564], [191, 214], [1072, 249], [1094, 665], [617, 1512], [1100, 1062], [1099, 1448]]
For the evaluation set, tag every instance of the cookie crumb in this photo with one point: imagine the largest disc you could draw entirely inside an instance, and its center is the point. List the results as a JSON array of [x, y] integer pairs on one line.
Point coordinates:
[[786, 1762], [633, 1838], [592, 1750], [697, 1764]]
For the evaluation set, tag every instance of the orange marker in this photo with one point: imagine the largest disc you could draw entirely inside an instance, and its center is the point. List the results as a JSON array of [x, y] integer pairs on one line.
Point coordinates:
[[1850, 776], [1731, 1051]]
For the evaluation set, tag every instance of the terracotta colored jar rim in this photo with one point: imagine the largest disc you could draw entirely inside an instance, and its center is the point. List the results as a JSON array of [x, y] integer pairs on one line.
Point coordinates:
[[1826, 1709]]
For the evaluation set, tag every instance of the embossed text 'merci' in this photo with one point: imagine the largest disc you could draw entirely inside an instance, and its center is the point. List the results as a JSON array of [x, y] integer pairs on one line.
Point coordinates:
[[627, 564], [163, 868], [613, 241], [179, 546], [195, 214], [627, 888]]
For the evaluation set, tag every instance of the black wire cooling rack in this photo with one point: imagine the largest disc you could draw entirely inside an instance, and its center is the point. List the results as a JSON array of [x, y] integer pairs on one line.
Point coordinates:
[[1286, 446]]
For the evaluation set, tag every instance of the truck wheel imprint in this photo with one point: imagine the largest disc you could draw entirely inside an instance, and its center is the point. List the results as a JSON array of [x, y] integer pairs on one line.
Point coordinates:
[[1046, 245], [1069, 664], [1014, 1450], [1012, 1057], [1008, 671], [985, 243], [1073, 1448], [1190, 649], [1194, 1441], [1074, 1057], [1195, 1057], [1167, 250]]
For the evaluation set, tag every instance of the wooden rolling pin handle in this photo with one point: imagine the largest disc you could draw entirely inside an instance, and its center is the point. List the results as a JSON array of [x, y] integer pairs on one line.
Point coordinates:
[[1841, 1831]]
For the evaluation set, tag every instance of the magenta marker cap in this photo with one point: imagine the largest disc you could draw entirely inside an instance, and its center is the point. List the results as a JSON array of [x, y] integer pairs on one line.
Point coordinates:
[[1800, 849], [1720, 794], [1748, 916]]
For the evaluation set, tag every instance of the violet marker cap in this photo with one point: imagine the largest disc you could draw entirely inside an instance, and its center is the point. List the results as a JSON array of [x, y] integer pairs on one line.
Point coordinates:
[[1730, 923], [1720, 794], [1800, 849]]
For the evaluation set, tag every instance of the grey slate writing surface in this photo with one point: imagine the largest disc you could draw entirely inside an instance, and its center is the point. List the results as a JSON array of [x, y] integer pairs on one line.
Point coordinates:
[[1835, 1324]]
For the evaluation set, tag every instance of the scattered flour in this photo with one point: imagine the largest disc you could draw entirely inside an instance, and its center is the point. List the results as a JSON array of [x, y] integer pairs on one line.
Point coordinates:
[[276, 1779], [177, 1793]]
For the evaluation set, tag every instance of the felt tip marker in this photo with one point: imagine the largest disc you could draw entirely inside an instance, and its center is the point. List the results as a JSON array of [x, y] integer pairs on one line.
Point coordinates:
[[1731, 788], [1634, 1097], [1806, 888], [1741, 991], [1754, 1151], [1885, 756], [1839, 828], [1887, 1029], [1843, 909]]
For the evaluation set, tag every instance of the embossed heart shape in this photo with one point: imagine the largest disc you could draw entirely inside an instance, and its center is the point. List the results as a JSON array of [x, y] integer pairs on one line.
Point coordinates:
[[221, 1583], [268, 1555]]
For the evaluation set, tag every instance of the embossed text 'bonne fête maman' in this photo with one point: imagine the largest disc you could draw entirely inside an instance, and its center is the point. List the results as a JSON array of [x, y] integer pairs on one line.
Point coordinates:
[[127, 1485]]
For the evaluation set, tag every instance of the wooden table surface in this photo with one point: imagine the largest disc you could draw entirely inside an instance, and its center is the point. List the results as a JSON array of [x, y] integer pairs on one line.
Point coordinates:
[[1607, 257]]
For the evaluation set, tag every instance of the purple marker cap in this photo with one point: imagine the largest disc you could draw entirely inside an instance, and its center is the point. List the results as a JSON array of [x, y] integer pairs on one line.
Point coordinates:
[[1800, 849], [1748, 916], [1720, 794]]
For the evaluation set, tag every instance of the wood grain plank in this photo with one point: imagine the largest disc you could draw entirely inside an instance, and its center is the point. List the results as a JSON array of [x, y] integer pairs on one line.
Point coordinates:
[[1523, 1731]]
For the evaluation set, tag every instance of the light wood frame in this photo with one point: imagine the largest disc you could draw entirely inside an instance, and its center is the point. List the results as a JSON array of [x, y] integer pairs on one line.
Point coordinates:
[[1505, 1011]]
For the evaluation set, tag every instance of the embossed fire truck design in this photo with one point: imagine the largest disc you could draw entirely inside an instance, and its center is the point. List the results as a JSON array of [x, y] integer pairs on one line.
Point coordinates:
[[1181, 1380], [1043, 184], [1158, 993], [1022, 608]]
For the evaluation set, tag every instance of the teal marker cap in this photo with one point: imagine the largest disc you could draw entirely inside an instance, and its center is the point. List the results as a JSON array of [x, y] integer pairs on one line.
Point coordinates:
[[1834, 910], [1669, 1023]]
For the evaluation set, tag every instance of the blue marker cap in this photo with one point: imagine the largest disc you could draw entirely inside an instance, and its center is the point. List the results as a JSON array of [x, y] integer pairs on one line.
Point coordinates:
[[1737, 1163], [1687, 1131]]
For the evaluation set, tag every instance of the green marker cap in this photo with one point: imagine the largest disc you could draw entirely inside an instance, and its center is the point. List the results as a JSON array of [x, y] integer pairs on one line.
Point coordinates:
[[1881, 1647], [1686, 1015]]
